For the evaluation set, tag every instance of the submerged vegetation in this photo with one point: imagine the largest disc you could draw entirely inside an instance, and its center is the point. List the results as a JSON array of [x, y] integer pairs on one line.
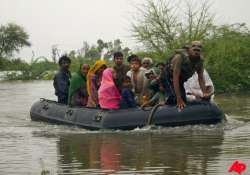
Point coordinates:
[[160, 27]]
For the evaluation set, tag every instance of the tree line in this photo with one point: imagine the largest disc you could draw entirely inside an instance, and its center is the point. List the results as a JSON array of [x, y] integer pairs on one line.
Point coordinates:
[[161, 27], [44, 68]]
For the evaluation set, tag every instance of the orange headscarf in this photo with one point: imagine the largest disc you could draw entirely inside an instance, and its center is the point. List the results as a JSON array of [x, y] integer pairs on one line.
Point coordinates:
[[98, 64]]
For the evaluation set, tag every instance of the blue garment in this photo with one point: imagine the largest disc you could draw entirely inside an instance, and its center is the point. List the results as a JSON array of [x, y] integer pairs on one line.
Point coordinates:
[[61, 84], [128, 99]]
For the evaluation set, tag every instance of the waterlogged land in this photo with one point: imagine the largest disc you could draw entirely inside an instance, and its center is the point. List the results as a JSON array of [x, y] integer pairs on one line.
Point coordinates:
[[28, 147]]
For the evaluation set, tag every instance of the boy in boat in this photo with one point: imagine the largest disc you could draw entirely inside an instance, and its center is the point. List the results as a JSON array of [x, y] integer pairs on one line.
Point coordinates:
[[137, 76], [128, 97]]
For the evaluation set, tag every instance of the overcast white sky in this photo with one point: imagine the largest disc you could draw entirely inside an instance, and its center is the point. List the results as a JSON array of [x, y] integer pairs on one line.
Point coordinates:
[[68, 23]]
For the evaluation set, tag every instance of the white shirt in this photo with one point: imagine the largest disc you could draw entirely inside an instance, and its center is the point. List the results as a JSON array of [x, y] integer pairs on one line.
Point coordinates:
[[192, 85]]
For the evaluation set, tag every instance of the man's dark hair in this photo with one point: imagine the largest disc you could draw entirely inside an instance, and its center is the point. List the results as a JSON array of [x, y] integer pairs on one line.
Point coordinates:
[[132, 57], [137, 59], [117, 54], [160, 63], [64, 58]]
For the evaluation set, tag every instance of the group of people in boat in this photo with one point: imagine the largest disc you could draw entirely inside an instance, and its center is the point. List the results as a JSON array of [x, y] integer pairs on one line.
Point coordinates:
[[180, 79]]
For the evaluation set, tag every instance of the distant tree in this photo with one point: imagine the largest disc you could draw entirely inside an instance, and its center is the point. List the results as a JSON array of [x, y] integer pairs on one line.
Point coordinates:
[[72, 54], [161, 25], [125, 52], [102, 48], [227, 57], [93, 53], [110, 46], [12, 39], [197, 23], [55, 53], [85, 48], [100, 45], [117, 45]]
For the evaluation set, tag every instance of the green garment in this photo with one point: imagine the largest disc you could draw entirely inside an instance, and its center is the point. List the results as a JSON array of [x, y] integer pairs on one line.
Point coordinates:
[[77, 81], [156, 96]]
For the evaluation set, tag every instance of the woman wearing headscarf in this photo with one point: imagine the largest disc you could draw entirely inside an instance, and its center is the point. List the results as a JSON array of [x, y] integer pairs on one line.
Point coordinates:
[[78, 95], [108, 93], [93, 82]]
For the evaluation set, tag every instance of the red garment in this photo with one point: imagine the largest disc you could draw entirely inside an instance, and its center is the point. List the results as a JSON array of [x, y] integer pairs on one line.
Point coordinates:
[[110, 156], [108, 94]]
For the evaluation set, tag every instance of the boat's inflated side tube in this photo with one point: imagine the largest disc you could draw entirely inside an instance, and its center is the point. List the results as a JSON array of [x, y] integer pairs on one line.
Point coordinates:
[[94, 118]]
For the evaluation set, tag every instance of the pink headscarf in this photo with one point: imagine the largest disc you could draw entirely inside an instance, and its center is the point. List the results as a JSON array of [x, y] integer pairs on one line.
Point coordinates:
[[108, 94]]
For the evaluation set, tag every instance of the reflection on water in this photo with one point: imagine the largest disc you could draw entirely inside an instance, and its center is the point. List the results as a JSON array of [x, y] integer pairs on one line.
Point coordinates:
[[28, 147], [138, 153]]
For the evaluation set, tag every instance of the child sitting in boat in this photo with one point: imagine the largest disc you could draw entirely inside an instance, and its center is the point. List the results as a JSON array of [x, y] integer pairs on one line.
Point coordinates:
[[128, 97], [108, 94]]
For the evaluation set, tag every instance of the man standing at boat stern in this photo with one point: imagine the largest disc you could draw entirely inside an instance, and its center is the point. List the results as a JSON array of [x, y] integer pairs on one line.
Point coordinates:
[[179, 69], [61, 80]]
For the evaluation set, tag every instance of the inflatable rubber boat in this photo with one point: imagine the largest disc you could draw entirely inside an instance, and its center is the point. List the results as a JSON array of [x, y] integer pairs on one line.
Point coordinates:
[[125, 119]]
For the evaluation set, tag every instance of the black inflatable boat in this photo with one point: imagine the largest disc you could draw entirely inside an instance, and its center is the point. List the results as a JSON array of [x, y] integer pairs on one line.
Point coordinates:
[[125, 119]]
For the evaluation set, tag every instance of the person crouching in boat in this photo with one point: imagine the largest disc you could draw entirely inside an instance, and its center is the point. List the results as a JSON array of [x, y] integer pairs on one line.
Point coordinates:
[[179, 69], [78, 95], [108, 94], [128, 97], [61, 80], [193, 90], [94, 77], [161, 67], [156, 94]]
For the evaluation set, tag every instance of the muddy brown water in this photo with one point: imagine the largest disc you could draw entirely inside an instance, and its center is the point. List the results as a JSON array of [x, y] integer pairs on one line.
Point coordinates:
[[28, 147]]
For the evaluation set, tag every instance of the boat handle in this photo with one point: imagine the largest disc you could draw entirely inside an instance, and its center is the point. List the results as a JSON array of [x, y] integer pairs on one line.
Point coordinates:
[[69, 112], [46, 106], [152, 114], [98, 117], [42, 99]]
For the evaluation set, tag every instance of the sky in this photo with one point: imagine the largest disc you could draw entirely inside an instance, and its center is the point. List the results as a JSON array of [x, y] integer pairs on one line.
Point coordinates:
[[67, 23]]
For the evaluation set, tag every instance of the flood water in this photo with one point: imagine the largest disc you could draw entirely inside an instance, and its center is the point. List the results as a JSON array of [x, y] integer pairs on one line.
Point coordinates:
[[28, 147]]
